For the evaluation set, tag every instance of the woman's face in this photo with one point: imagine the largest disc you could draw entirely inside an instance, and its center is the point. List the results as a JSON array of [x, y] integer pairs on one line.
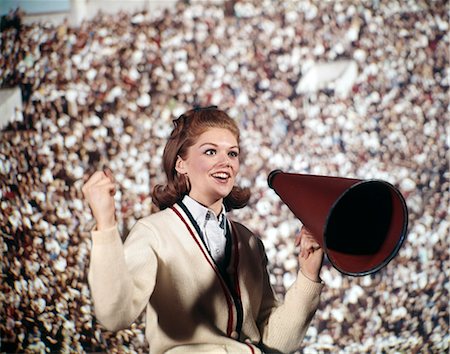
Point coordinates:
[[211, 165]]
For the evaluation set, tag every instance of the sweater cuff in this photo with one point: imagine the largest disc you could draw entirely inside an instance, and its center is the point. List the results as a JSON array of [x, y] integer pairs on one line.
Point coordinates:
[[308, 285], [106, 236], [313, 280]]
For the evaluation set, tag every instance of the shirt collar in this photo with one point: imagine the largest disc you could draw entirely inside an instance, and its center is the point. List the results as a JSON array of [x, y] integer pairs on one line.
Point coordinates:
[[199, 212]]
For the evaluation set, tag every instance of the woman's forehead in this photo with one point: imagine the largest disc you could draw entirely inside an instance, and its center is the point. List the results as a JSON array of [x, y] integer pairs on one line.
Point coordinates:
[[216, 135]]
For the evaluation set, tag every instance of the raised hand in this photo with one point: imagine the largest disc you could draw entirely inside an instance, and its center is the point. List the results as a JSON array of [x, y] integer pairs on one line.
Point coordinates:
[[310, 256], [99, 192]]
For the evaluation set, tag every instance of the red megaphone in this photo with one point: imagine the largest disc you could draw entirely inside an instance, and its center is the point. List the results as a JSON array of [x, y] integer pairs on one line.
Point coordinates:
[[360, 224]]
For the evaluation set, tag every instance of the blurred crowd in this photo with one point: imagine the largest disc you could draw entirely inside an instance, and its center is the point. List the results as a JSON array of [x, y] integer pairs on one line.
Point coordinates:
[[105, 94]]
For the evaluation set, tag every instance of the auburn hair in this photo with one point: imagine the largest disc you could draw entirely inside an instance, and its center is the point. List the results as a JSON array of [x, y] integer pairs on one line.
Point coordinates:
[[187, 128]]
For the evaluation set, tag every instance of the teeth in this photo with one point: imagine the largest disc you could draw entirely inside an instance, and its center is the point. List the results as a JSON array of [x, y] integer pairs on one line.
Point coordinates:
[[221, 175]]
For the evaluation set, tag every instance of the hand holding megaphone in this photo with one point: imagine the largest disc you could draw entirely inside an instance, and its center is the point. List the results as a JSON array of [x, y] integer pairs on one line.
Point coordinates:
[[310, 256]]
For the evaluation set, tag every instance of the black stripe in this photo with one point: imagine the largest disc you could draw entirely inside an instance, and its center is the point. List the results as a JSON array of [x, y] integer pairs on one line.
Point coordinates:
[[193, 222], [236, 297]]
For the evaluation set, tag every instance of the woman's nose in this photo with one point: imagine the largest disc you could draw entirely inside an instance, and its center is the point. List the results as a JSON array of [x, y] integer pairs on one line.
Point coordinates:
[[225, 159]]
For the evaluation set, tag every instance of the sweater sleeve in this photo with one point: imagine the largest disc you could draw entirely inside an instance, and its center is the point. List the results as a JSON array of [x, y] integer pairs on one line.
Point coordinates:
[[122, 275], [283, 325]]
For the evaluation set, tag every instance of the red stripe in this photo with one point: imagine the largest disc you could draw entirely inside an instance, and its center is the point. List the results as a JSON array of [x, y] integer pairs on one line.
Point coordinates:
[[222, 283], [251, 348]]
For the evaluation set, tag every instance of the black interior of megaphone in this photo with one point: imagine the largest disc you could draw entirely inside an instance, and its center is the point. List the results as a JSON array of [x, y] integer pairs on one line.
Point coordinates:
[[359, 221]]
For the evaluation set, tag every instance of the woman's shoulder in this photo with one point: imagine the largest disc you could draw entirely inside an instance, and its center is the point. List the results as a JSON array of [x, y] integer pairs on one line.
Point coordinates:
[[244, 233], [154, 225], [157, 218], [241, 228]]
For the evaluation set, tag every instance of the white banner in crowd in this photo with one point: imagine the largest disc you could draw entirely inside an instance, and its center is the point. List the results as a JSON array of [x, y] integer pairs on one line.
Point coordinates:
[[338, 76]]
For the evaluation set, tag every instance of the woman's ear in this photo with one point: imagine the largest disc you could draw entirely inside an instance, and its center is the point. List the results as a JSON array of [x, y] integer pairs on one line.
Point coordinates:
[[180, 165]]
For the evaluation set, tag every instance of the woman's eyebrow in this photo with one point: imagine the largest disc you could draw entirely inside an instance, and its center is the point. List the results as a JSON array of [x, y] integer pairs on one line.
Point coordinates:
[[208, 143], [216, 145]]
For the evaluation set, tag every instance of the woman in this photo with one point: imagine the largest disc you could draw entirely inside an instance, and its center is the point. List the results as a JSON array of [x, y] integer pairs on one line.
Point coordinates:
[[200, 277]]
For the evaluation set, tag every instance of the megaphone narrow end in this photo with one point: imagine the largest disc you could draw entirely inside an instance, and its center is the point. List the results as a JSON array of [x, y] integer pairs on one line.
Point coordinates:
[[271, 176]]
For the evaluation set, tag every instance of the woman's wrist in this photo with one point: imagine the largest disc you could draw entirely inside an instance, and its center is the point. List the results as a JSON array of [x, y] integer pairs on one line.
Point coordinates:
[[313, 277], [105, 225]]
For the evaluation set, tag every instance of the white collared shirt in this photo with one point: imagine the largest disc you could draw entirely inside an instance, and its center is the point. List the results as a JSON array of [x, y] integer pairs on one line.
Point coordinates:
[[210, 226]]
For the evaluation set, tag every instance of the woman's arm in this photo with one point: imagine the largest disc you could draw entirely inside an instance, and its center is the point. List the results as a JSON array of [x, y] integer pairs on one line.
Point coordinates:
[[122, 276], [283, 326]]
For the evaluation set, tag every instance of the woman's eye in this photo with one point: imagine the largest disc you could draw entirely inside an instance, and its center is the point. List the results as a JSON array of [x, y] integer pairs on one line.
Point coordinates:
[[233, 153], [210, 152]]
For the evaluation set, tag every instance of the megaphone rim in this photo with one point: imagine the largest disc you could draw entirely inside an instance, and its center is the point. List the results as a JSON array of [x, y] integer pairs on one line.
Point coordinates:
[[398, 244], [271, 175]]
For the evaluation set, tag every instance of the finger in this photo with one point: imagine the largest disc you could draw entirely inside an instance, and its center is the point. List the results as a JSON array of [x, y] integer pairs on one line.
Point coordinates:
[[102, 186], [97, 176], [106, 187], [310, 245], [305, 232], [307, 235], [305, 253], [302, 253], [303, 235], [108, 173], [102, 182], [112, 191]]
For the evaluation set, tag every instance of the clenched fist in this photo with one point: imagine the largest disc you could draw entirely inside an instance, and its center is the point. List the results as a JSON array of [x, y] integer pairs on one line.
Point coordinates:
[[99, 192]]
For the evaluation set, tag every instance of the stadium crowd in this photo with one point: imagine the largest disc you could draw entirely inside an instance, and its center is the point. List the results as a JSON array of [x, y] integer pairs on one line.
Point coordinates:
[[105, 94]]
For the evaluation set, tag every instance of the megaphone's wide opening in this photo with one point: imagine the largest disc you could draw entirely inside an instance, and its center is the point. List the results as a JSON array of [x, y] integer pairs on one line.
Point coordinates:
[[359, 220], [365, 227]]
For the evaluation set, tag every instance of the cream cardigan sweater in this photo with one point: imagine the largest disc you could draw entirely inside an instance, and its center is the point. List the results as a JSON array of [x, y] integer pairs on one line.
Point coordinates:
[[164, 268]]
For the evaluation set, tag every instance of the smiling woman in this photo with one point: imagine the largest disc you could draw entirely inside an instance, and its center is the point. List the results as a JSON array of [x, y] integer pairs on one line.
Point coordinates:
[[188, 128], [190, 261], [211, 166]]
